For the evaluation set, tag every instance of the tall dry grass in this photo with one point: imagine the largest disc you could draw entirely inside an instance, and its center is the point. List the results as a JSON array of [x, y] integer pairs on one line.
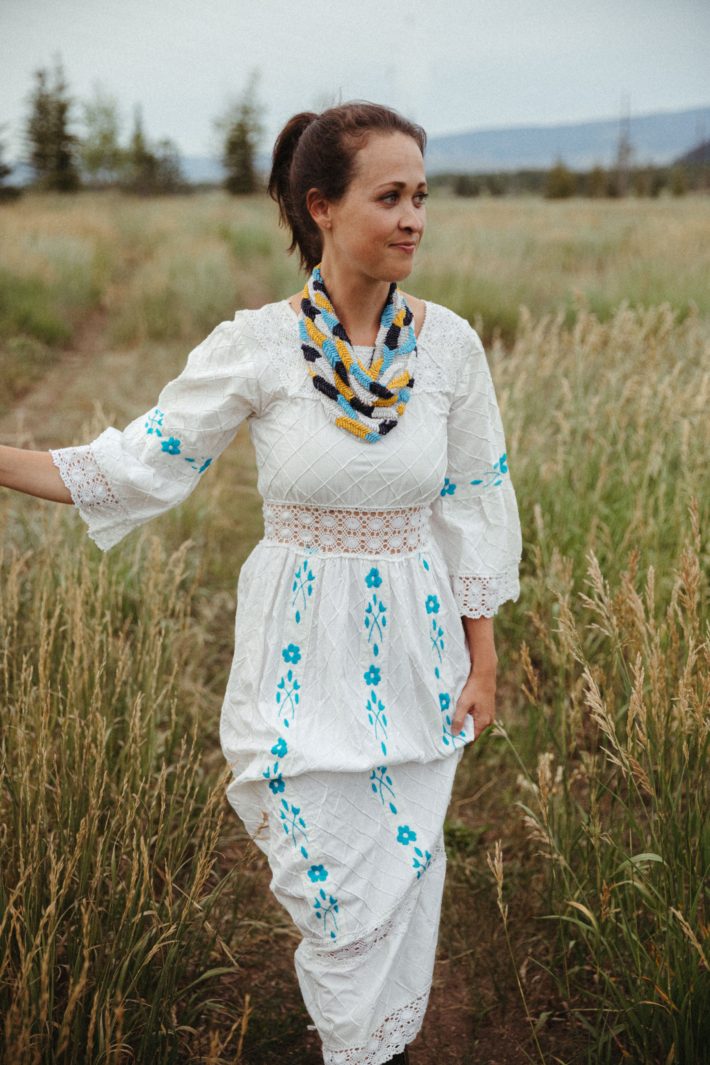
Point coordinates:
[[608, 434], [110, 821]]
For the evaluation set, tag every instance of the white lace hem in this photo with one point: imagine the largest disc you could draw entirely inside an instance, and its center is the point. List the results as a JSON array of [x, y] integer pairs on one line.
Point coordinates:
[[91, 492], [402, 1025], [480, 597], [400, 1028]]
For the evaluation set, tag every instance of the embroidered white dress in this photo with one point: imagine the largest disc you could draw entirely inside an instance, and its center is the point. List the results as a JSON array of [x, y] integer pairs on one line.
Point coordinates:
[[349, 652]]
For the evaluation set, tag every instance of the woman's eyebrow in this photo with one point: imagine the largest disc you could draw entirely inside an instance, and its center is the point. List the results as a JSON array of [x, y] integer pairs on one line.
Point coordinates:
[[398, 184]]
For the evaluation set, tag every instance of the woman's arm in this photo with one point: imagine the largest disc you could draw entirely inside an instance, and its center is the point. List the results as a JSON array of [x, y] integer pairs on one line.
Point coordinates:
[[32, 472], [479, 691]]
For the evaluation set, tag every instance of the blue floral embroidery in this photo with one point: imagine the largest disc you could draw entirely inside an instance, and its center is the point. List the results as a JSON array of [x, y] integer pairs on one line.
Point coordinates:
[[294, 825], [381, 782], [372, 676], [277, 785], [493, 475], [421, 861], [490, 477], [154, 422], [405, 835], [287, 695], [302, 587], [326, 907], [276, 781], [292, 821], [432, 604], [172, 446], [436, 637], [292, 653], [377, 718], [449, 737], [373, 578], [193, 462], [375, 621]]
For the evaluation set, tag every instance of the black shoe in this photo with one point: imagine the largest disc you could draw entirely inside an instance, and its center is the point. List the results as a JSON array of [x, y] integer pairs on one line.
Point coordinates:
[[400, 1059]]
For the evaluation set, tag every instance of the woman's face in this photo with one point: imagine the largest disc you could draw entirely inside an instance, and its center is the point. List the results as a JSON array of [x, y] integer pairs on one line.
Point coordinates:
[[376, 227]]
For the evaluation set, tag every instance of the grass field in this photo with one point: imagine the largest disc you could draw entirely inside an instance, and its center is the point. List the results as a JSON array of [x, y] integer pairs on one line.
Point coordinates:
[[135, 918]]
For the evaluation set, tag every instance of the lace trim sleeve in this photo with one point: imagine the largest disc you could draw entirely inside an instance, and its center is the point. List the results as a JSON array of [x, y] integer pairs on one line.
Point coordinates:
[[480, 597], [90, 490]]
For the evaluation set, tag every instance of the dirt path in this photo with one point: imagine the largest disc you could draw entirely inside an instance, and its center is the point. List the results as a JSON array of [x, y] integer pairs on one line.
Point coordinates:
[[43, 410]]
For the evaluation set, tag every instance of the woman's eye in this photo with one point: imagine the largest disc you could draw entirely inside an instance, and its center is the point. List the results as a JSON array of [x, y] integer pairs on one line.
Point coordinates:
[[393, 197]]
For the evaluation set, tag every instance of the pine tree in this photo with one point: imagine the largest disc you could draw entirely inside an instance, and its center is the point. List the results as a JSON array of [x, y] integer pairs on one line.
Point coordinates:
[[240, 129], [169, 176], [51, 146], [100, 152], [149, 169], [561, 182], [597, 182], [141, 164]]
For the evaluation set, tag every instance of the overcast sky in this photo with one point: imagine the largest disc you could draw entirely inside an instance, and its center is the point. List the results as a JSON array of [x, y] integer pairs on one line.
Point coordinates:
[[451, 65]]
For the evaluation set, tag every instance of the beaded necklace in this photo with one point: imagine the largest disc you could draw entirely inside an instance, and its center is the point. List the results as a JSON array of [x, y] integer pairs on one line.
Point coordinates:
[[366, 401]]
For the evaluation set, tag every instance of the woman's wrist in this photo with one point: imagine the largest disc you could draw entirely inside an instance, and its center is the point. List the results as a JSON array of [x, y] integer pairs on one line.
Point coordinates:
[[485, 676], [32, 472], [481, 645]]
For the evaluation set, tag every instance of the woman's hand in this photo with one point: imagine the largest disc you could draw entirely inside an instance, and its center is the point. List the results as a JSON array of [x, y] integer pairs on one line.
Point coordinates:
[[478, 698]]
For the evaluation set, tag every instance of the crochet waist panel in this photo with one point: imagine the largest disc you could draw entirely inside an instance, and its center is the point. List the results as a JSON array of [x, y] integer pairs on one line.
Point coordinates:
[[398, 531]]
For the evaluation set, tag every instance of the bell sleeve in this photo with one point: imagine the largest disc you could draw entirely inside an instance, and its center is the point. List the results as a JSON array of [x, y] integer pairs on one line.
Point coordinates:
[[475, 517], [122, 479]]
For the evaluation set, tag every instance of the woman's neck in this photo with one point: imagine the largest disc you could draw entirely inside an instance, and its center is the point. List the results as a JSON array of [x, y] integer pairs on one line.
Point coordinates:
[[358, 302]]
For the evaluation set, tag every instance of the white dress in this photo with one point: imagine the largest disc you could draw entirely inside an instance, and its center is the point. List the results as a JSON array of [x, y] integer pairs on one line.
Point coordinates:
[[350, 652]]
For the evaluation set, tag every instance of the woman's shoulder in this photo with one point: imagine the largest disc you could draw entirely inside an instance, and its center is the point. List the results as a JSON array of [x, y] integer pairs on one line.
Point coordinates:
[[444, 328], [269, 326]]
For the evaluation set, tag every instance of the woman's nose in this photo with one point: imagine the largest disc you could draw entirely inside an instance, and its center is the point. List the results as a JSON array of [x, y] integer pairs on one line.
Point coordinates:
[[411, 219]]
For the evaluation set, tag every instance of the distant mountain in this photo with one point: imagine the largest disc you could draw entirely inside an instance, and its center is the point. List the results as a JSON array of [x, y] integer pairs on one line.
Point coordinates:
[[657, 138], [698, 156]]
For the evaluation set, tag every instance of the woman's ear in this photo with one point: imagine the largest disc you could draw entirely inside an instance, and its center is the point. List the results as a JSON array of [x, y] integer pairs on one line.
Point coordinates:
[[319, 208]]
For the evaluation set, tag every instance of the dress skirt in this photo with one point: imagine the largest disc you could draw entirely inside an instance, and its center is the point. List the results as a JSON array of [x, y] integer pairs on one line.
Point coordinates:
[[337, 726], [366, 989]]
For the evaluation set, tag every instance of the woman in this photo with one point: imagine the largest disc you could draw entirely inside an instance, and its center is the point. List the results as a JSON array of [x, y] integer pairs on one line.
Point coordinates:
[[364, 651]]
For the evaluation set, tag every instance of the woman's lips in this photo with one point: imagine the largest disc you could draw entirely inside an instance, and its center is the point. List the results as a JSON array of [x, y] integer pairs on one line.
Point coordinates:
[[408, 248]]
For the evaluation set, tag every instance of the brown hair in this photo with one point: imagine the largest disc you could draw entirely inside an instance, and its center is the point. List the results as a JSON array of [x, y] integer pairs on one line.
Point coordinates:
[[318, 152]]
